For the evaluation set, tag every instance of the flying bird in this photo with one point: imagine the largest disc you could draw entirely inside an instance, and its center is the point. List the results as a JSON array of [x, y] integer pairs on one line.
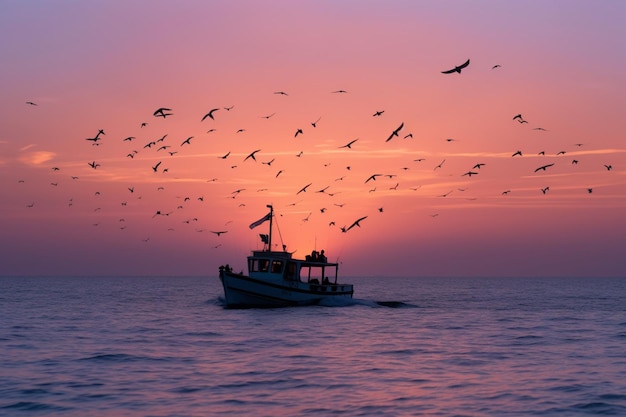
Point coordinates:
[[93, 164], [543, 167], [517, 153], [187, 141], [372, 177], [219, 232], [282, 93], [349, 144], [457, 68], [314, 124], [156, 167], [356, 223], [378, 113], [31, 103], [251, 155], [224, 156], [303, 189], [162, 112], [209, 115], [470, 173], [395, 132], [298, 132]]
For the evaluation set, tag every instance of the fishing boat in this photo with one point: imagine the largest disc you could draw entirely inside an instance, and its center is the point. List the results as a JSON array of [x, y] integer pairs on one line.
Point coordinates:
[[277, 279]]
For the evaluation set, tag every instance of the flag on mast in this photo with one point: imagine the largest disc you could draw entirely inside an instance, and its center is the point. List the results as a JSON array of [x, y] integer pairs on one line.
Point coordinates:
[[261, 220]]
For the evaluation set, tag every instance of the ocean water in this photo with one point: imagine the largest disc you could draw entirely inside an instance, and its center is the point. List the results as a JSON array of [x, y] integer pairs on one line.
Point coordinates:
[[156, 346]]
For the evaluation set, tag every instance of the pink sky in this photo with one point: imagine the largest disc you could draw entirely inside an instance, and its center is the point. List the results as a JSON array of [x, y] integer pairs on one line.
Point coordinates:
[[109, 65]]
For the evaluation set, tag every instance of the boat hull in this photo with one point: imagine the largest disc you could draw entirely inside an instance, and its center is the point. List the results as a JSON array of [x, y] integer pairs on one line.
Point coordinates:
[[242, 291]]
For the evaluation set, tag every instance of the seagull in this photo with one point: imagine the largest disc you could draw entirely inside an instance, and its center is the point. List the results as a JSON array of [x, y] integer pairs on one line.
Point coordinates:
[[543, 167], [281, 93], [156, 167], [31, 103], [356, 223], [128, 139], [478, 165], [349, 144], [339, 91], [251, 155], [224, 156], [517, 153], [608, 167], [219, 232], [496, 66], [162, 112], [378, 113], [268, 116], [314, 124], [470, 173], [440, 165], [209, 115], [187, 141], [93, 164], [298, 132], [395, 132], [372, 177], [303, 189], [457, 68], [269, 163], [545, 190]]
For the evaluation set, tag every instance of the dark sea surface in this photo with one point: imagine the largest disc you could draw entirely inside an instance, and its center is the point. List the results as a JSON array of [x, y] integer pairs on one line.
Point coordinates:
[[437, 347]]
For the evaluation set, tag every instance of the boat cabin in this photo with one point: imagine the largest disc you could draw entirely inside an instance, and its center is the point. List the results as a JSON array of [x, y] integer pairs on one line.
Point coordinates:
[[277, 266]]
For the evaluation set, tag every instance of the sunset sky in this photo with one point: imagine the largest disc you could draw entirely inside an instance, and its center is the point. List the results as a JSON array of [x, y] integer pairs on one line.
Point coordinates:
[[107, 65]]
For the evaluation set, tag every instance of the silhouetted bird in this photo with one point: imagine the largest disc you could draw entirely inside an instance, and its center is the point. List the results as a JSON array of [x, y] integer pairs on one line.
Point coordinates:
[[209, 115], [543, 167], [457, 68], [395, 132], [349, 144]]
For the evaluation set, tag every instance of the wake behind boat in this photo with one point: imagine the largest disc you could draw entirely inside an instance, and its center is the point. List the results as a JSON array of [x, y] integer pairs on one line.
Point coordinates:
[[276, 279]]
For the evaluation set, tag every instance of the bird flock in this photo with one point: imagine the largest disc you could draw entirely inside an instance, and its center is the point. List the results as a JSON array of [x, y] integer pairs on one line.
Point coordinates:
[[165, 155]]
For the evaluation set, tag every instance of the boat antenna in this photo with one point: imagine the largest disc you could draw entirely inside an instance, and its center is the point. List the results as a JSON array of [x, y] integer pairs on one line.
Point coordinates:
[[269, 238], [281, 237]]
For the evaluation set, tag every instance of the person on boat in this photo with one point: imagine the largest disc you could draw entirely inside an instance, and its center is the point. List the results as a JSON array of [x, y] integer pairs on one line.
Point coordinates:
[[326, 281], [321, 257]]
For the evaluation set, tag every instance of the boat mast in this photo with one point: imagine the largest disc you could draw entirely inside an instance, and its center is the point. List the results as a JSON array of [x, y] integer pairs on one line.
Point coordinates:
[[269, 238]]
